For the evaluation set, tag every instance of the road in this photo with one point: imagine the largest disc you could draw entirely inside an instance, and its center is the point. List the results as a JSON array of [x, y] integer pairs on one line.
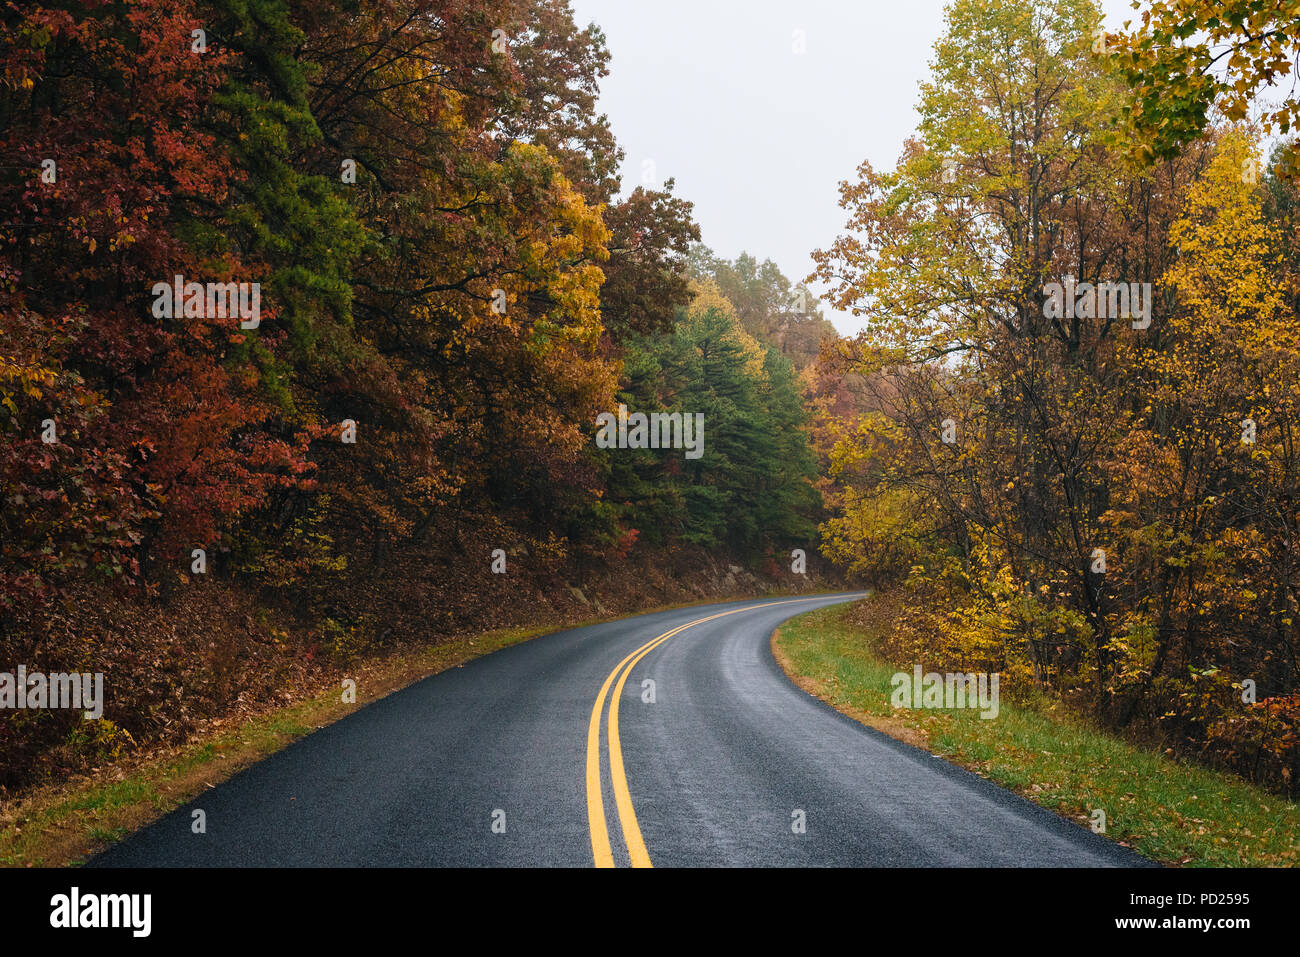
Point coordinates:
[[553, 753]]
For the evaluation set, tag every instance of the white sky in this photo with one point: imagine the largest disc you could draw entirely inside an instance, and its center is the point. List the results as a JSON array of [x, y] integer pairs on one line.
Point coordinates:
[[758, 137]]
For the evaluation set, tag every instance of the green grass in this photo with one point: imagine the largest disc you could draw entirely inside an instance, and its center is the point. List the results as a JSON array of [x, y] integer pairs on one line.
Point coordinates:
[[1166, 809]]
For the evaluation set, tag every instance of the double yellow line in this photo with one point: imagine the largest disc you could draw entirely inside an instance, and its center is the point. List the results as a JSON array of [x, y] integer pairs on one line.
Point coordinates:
[[600, 847]]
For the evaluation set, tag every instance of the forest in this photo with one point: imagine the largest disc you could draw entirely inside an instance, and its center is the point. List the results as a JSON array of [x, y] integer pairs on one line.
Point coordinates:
[[411, 212], [1065, 438], [1093, 494]]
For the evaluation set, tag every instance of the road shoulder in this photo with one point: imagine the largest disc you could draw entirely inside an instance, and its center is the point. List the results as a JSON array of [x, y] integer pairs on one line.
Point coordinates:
[[1167, 810]]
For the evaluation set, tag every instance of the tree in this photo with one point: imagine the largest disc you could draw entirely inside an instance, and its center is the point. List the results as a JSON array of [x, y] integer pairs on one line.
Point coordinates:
[[751, 488], [1190, 56], [163, 436], [770, 307]]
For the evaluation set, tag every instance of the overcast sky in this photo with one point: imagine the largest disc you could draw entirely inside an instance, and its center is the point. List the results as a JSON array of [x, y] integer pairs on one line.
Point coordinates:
[[758, 137]]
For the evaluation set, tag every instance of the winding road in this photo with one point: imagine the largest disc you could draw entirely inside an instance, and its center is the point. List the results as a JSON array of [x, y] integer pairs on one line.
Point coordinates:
[[669, 739]]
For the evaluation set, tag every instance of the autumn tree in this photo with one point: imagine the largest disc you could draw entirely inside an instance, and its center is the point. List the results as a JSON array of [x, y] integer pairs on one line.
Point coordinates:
[[1187, 58], [777, 311], [160, 433], [995, 411]]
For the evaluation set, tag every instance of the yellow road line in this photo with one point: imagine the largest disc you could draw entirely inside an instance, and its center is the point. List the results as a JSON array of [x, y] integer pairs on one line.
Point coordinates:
[[640, 857], [600, 846], [600, 850]]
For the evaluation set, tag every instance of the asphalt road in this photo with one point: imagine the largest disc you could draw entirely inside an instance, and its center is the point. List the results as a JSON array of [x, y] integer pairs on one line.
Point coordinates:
[[540, 755]]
